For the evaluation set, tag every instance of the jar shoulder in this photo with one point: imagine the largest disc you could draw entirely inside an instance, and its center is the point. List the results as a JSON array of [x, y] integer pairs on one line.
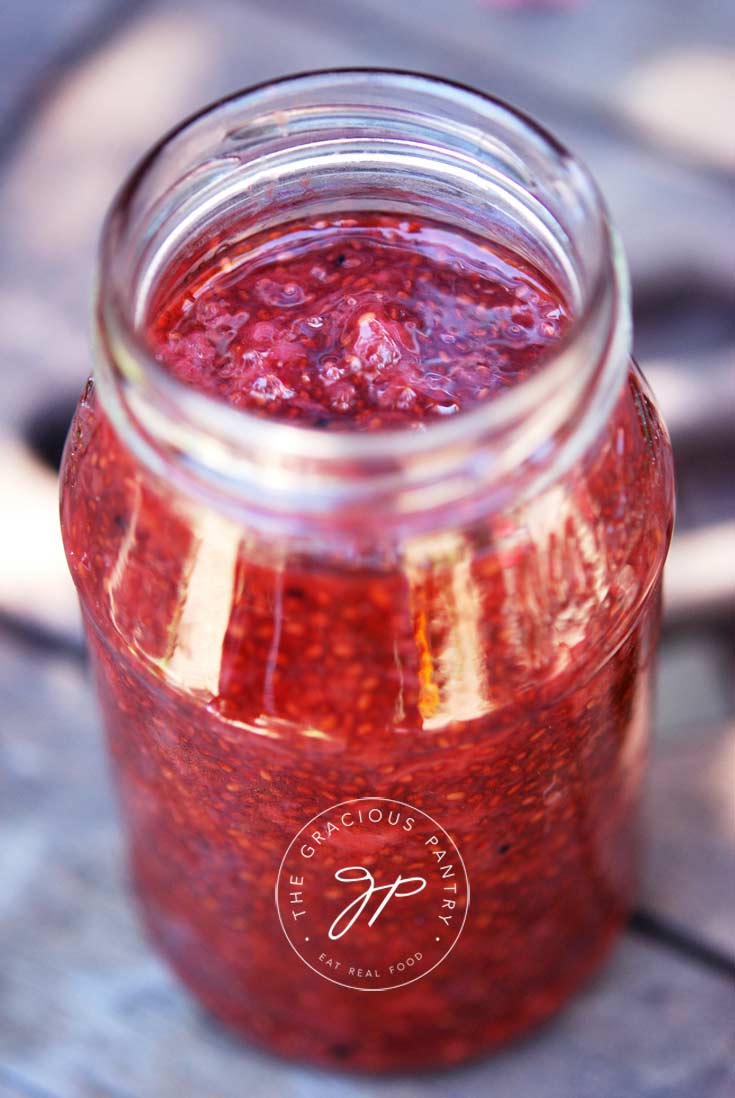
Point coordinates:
[[532, 595]]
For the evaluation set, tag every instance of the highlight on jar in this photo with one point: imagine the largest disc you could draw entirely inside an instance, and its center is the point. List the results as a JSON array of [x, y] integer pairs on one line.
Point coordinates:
[[367, 506]]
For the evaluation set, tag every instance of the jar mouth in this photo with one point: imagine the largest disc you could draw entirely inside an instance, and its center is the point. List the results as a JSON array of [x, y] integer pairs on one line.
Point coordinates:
[[213, 157]]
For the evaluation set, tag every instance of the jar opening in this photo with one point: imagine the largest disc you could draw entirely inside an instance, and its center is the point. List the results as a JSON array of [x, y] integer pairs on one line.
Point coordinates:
[[373, 141]]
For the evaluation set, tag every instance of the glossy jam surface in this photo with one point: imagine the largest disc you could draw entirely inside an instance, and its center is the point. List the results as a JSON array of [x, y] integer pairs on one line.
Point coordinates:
[[491, 677], [359, 324]]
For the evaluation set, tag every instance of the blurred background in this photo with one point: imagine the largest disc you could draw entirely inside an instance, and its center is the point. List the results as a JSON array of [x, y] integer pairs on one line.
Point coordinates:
[[644, 91]]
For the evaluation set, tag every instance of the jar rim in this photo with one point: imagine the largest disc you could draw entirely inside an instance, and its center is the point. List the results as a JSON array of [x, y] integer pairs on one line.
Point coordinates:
[[129, 376]]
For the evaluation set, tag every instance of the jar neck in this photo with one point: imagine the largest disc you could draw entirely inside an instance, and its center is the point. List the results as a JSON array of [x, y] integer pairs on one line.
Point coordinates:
[[379, 141]]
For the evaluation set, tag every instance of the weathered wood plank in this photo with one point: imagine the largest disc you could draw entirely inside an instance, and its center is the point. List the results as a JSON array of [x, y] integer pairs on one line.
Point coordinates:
[[690, 874], [38, 42], [699, 574]]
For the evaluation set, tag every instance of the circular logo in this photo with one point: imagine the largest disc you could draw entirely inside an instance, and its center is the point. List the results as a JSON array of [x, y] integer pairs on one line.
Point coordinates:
[[372, 894]]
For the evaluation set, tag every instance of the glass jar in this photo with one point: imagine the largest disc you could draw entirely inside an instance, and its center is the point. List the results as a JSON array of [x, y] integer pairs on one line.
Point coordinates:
[[378, 704]]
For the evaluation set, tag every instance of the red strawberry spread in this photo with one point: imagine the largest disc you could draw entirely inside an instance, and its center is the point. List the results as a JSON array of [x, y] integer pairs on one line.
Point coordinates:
[[360, 323], [381, 802]]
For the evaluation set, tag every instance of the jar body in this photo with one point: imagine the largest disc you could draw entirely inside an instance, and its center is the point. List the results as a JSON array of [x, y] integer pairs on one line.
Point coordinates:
[[493, 674]]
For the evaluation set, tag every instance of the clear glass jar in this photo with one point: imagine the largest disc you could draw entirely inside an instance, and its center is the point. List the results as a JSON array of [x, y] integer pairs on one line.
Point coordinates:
[[450, 629]]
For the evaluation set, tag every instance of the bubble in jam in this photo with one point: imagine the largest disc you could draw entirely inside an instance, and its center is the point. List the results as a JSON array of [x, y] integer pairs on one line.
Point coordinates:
[[358, 323]]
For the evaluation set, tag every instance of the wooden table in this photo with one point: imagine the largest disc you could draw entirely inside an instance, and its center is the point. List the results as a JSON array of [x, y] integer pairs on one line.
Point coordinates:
[[86, 1008]]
